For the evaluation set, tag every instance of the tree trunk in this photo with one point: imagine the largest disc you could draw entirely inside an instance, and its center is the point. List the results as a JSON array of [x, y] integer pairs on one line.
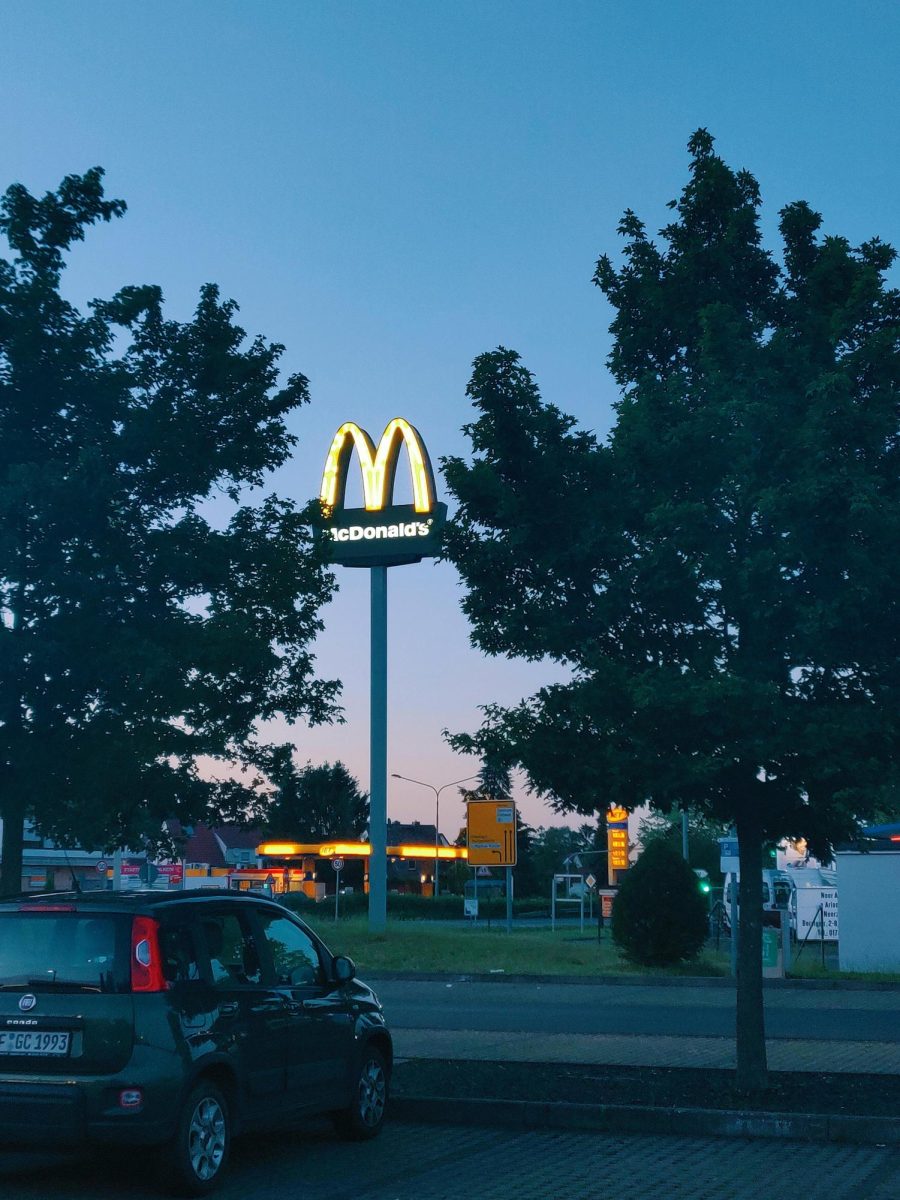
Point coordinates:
[[750, 1031], [11, 851]]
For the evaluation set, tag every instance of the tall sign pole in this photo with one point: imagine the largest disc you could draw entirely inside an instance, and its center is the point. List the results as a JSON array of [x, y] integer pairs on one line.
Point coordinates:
[[380, 535], [378, 754]]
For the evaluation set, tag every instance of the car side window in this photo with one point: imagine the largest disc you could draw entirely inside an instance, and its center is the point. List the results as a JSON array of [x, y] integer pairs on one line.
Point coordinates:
[[179, 952], [295, 956], [231, 948]]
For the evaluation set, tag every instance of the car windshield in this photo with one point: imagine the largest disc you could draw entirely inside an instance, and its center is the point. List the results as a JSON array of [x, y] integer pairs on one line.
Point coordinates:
[[57, 950]]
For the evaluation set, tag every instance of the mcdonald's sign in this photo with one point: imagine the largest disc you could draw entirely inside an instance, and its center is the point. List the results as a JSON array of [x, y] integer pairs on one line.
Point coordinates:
[[381, 533]]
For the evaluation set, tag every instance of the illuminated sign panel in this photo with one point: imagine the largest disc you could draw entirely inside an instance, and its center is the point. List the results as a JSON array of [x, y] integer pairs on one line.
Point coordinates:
[[382, 533], [617, 838], [491, 833]]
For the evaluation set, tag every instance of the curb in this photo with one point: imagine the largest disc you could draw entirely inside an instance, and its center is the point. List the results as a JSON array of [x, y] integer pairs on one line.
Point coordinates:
[[678, 981], [629, 1118]]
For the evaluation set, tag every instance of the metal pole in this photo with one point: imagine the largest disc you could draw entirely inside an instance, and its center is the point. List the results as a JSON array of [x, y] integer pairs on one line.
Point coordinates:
[[684, 836], [822, 931], [735, 884], [378, 755], [509, 899], [117, 869], [437, 817]]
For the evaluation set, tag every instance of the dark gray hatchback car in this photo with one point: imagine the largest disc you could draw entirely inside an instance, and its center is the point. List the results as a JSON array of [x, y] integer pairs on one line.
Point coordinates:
[[178, 1021]]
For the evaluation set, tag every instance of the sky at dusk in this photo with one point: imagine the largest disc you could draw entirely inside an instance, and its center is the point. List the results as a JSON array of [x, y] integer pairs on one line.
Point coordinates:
[[393, 188]]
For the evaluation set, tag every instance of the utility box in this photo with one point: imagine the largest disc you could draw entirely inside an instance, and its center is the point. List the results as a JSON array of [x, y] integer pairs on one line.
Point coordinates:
[[772, 954]]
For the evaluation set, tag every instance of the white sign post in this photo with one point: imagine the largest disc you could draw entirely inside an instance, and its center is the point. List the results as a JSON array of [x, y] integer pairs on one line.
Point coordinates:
[[338, 865]]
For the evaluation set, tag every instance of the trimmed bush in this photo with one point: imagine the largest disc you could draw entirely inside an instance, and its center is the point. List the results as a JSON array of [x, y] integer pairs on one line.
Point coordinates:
[[659, 916]]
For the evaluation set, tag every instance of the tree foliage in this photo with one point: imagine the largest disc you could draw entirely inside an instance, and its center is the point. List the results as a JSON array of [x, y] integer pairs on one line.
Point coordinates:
[[720, 575], [659, 917], [138, 638], [703, 838], [315, 803]]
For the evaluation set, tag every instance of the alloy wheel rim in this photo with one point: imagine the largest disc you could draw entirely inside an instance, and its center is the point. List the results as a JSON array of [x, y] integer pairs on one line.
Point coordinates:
[[206, 1138], [372, 1093]]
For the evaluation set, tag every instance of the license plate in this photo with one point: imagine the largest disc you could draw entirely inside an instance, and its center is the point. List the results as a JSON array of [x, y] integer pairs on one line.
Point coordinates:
[[34, 1043]]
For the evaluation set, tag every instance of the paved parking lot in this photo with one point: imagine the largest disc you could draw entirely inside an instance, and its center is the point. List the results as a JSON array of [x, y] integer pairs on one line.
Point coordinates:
[[430, 1162]]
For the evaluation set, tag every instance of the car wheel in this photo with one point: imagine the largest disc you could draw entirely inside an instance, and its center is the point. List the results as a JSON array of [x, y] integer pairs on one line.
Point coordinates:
[[364, 1116], [194, 1161]]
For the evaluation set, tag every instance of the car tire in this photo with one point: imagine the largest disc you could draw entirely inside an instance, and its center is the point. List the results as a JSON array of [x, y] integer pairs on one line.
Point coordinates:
[[193, 1162], [364, 1116]]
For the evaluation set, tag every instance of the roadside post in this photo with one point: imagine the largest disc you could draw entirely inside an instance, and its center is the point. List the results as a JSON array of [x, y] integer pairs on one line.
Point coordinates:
[[338, 866], [730, 863]]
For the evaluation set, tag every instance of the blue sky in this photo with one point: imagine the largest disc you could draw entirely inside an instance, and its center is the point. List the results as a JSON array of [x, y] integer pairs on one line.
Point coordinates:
[[392, 188]]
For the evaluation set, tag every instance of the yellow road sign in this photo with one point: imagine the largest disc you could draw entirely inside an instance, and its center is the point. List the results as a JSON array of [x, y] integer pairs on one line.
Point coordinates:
[[491, 833]]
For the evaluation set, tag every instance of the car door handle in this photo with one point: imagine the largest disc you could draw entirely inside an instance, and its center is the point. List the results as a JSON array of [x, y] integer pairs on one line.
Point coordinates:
[[228, 1008]]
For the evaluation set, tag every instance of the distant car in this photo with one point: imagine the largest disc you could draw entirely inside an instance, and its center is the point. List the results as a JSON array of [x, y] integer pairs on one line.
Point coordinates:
[[145, 1018]]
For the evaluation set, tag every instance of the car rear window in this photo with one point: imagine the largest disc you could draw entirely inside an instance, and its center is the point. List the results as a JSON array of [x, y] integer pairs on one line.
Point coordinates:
[[63, 951]]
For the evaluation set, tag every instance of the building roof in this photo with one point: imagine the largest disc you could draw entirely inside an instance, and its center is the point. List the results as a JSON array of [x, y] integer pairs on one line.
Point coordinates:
[[414, 833], [203, 844]]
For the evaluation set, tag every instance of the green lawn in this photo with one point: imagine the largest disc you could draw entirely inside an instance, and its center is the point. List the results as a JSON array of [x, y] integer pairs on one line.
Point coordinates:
[[424, 946]]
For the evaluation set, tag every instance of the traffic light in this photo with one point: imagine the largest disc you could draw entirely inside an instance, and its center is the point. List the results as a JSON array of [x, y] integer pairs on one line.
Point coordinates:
[[770, 854], [702, 880]]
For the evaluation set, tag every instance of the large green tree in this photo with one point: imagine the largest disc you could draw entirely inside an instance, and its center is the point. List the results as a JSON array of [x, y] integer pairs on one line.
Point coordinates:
[[703, 839], [138, 639], [315, 803], [720, 574]]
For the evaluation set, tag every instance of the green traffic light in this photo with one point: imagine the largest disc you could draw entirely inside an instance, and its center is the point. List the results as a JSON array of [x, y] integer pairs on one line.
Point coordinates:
[[704, 886]]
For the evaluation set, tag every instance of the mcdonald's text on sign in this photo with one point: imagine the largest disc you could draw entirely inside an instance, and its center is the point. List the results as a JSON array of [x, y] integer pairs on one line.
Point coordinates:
[[491, 833], [381, 533]]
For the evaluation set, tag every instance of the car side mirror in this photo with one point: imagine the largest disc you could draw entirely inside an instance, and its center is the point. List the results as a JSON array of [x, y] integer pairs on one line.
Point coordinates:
[[344, 969]]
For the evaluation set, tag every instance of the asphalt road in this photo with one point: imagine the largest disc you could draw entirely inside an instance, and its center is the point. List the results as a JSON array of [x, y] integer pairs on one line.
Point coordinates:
[[445, 1162], [670, 1011]]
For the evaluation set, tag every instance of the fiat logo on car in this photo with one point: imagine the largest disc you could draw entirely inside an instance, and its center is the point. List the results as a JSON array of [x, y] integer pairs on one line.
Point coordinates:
[[27, 1002]]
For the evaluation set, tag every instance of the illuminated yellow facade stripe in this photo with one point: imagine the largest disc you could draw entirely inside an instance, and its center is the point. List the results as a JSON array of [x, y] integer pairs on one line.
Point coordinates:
[[428, 851], [378, 466], [353, 850]]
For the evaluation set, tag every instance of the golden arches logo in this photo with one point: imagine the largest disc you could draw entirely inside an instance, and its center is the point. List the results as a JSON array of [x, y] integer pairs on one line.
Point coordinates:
[[379, 467]]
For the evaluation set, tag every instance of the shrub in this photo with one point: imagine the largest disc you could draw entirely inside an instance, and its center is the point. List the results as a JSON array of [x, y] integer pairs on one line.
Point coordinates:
[[659, 916]]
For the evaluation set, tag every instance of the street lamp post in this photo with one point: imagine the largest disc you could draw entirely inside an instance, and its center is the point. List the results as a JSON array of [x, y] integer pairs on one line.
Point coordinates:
[[437, 810]]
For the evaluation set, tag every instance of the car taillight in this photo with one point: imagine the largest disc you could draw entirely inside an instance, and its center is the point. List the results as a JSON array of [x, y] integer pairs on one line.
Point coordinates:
[[146, 963]]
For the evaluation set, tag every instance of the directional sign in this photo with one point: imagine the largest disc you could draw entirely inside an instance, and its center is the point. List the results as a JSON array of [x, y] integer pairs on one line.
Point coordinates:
[[491, 833]]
